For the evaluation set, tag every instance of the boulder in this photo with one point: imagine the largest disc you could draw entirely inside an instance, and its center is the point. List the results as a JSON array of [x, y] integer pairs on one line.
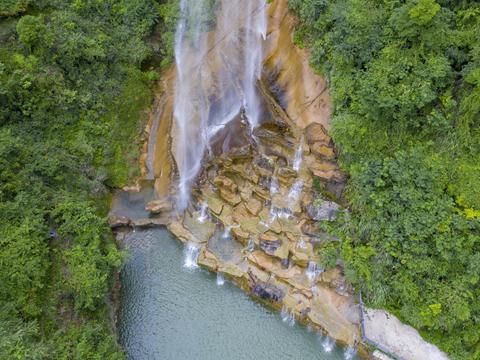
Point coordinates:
[[268, 292], [244, 170], [240, 153], [230, 197], [298, 303], [246, 191], [254, 206], [208, 260], [177, 229], [266, 163], [257, 273], [268, 237], [270, 247], [241, 235], [226, 216], [232, 270], [325, 210], [270, 136], [322, 151], [301, 255], [261, 259], [201, 230], [250, 225], [115, 221], [262, 192], [282, 251], [286, 175], [159, 206], [331, 277], [224, 182], [336, 314], [315, 132], [325, 170], [215, 204]]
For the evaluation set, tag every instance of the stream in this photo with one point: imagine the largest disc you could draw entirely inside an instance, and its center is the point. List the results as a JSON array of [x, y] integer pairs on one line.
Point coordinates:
[[171, 312]]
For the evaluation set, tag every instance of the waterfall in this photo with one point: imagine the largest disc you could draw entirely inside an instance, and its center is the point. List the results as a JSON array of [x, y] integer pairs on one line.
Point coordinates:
[[328, 344], [191, 255], [297, 161], [301, 244], [251, 245], [294, 193], [287, 316], [203, 213], [190, 106], [227, 231], [274, 188], [313, 271], [216, 78], [256, 31], [220, 279], [278, 213], [349, 353]]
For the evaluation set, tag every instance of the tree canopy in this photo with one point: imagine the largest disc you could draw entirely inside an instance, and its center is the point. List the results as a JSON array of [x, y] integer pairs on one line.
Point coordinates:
[[75, 79], [404, 77]]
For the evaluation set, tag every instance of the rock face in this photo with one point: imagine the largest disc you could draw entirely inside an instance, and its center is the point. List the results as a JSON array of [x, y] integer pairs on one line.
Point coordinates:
[[301, 92], [258, 205], [402, 340]]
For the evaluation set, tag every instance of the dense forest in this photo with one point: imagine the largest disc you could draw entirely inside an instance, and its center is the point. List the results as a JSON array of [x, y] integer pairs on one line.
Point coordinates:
[[75, 77], [405, 82]]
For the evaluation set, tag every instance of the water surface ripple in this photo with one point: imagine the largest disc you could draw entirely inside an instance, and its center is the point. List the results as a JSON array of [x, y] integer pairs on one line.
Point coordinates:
[[172, 313]]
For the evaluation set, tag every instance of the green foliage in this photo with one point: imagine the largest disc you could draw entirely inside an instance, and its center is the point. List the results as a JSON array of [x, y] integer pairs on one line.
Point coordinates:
[[20, 340], [73, 96], [13, 7], [405, 82], [30, 29], [84, 229]]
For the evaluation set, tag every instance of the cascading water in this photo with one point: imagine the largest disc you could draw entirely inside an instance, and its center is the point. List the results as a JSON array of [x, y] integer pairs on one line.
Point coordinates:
[[328, 344], [203, 213], [349, 353], [297, 161], [274, 188], [256, 28], [216, 78], [227, 231], [191, 255], [295, 191], [287, 316], [313, 271], [301, 244], [220, 279], [251, 245]]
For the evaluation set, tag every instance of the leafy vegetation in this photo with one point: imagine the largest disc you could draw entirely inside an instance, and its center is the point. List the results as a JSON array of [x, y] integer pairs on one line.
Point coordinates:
[[75, 78], [405, 82]]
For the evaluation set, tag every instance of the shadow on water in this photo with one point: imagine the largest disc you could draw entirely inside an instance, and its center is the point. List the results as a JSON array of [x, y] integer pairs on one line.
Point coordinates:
[[170, 313]]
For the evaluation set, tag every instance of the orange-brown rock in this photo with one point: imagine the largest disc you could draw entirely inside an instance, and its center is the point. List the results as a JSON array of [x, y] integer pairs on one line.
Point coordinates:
[[316, 133], [322, 151], [226, 183], [254, 206], [159, 206]]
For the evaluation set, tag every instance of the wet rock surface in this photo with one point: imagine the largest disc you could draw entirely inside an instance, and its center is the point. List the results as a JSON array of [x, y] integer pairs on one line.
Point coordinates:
[[265, 210]]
